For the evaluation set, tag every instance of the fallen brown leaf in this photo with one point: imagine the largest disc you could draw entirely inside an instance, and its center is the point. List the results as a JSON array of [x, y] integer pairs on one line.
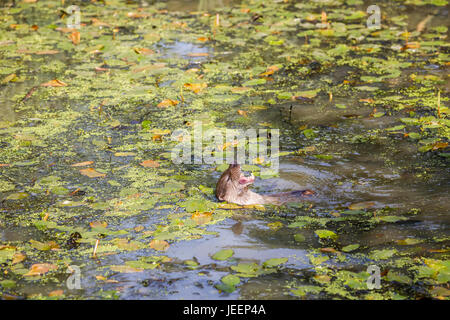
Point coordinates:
[[18, 257], [54, 83], [155, 66], [159, 245], [75, 37], [97, 224], [167, 103], [56, 293], [198, 54], [91, 173], [242, 113], [144, 51], [195, 87], [40, 269], [46, 52], [82, 164], [98, 23], [202, 217], [149, 164]]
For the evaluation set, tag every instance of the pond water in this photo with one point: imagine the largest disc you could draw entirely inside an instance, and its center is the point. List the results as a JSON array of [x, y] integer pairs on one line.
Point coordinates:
[[85, 124]]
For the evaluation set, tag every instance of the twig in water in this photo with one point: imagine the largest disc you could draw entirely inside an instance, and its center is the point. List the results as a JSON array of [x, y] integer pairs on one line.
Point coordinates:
[[94, 254]]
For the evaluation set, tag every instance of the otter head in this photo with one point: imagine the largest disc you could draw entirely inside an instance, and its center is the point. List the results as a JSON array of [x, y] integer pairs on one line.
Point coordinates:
[[232, 183]]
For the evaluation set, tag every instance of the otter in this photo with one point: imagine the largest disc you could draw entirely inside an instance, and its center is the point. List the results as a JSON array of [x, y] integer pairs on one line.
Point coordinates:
[[233, 187]]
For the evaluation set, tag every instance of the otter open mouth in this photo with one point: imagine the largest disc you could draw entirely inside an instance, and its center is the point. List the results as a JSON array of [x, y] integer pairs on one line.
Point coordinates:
[[246, 180]]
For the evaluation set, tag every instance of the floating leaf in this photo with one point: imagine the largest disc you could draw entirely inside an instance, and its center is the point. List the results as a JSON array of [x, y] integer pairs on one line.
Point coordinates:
[[92, 173], [202, 217], [98, 224], [223, 254], [54, 83], [149, 164], [40, 269], [132, 245], [9, 78], [167, 103], [198, 54], [247, 269], [274, 262], [18, 257], [254, 82], [408, 241], [361, 205], [394, 276], [391, 218], [144, 51], [82, 164], [275, 225], [159, 245], [124, 154], [75, 36], [382, 254], [299, 237], [17, 196], [326, 234], [125, 269], [231, 280], [56, 293], [195, 87], [350, 247]]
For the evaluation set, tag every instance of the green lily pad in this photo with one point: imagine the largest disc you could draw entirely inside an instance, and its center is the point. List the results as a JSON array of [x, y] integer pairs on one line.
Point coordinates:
[[223, 254]]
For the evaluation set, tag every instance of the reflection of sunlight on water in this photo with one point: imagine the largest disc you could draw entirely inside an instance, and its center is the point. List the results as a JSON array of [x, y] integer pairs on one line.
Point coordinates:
[[244, 245], [183, 49]]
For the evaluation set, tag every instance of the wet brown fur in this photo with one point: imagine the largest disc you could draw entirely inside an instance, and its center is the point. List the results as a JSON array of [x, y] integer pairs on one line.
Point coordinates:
[[229, 189]]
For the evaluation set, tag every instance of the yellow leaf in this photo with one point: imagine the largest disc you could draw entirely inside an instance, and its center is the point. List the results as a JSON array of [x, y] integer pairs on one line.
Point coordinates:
[[167, 103], [56, 293], [242, 113], [40, 269], [198, 54], [96, 224], [82, 164], [91, 173], [149, 67], [440, 145], [144, 51], [44, 52], [124, 154], [54, 83], [361, 205], [75, 37], [259, 160], [18, 257], [202, 217], [195, 87], [275, 225], [149, 164], [159, 245], [9, 78]]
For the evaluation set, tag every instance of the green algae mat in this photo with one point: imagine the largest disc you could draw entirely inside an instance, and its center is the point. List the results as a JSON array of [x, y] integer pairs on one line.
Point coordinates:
[[93, 207]]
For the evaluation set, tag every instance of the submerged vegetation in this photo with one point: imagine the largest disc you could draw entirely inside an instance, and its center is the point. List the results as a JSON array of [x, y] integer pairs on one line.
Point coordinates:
[[86, 177]]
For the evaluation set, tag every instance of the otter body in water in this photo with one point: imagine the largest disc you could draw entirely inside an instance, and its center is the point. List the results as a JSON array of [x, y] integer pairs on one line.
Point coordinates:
[[233, 187]]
